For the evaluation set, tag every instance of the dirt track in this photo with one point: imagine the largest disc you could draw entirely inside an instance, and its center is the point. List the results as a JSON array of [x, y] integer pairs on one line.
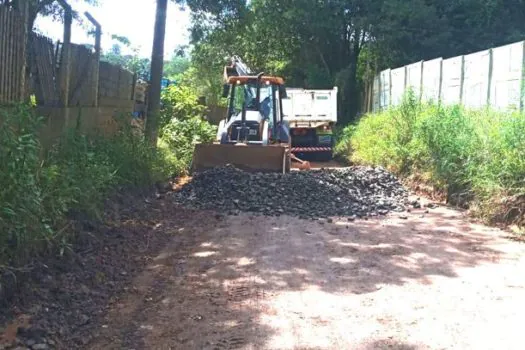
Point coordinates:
[[432, 282]]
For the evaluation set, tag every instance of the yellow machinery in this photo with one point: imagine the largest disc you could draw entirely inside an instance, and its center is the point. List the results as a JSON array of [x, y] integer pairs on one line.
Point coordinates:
[[253, 136]]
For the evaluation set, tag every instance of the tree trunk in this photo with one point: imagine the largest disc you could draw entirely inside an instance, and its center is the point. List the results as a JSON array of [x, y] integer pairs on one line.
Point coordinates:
[[352, 99], [157, 62]]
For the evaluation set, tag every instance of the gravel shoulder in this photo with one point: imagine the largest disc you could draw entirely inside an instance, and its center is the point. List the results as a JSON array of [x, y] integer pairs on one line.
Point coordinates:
[[428, 281]]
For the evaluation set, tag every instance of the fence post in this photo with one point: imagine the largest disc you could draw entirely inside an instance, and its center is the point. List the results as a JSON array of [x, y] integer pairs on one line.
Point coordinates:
[[389, 88], [489, 82], [370, 96], [379, 87], [421, 81], [462, 80], [405, 78], [66, 53], [522, 83], [440, 82], [96, 69]]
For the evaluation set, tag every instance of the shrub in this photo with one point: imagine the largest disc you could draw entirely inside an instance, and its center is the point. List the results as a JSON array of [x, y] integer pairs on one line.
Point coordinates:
[[181, 136], [23, 220], [372, 141], [343, 146], [183, 124], [477, 155], [40, 189], [451, 141], [179, 102]]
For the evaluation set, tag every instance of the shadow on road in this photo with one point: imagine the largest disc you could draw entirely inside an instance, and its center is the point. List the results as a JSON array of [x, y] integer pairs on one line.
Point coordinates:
[[233, 282]]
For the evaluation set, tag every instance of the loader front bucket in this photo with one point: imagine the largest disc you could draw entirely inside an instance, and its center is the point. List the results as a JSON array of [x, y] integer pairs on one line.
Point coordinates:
[[252, 158]]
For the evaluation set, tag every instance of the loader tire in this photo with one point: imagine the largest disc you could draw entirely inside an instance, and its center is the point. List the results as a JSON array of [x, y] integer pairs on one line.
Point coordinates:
[[265, 138], [224, 137], [220, 130]]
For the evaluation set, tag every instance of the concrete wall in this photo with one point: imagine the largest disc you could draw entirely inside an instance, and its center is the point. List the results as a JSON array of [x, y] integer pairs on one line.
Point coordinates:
[[431, 80], [494, 77], [507, 71], [89, 119], [115, 83]]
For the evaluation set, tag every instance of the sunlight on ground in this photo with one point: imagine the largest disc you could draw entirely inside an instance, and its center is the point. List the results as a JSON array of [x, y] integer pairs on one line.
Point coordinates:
[[246, 261], [211, 245], [320, 326], [204, 254], [343, 261]]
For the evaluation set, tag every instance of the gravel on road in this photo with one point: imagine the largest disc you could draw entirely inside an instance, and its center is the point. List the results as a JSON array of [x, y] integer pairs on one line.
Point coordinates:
[[353, 192]]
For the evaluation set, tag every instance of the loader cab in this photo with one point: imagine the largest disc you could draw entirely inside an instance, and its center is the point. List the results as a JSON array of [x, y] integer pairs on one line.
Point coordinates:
[[257, 95], [256, 99]]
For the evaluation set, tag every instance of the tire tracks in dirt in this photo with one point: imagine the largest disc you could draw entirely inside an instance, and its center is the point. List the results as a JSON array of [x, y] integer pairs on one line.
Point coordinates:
[[431, 281]]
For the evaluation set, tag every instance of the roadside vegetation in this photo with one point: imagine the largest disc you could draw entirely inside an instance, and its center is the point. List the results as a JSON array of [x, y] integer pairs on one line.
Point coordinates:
[[43, 188], [475, 158]]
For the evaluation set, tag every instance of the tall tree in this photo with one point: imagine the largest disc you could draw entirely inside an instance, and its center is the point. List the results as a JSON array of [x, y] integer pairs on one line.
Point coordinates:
[[319, 44], [157, 62]]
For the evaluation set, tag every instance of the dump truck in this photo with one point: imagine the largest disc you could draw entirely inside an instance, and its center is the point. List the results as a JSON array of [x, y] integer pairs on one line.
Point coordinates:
[[253, 136], [311, 116]]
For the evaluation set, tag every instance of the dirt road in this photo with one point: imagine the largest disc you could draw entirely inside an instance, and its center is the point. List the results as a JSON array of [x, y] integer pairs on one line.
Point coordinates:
[[430, 281]]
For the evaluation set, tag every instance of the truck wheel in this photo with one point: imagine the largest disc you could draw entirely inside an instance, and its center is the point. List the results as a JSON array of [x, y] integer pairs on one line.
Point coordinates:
[[324, 156]]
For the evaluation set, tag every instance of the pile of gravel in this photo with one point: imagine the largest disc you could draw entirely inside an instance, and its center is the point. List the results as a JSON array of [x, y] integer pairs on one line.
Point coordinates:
[[351, 192]]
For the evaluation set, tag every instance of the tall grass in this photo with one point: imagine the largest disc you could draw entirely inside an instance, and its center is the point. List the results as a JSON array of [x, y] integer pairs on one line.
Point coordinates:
[[40, 188], [477, 157]]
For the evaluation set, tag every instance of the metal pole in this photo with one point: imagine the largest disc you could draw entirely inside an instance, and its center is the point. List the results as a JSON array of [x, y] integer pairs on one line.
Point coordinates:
[[96, 68], [66, 53]]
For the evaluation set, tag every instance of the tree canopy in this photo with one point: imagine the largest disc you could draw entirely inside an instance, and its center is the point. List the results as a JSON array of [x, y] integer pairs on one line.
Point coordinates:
[[319, 44], [43, 8]]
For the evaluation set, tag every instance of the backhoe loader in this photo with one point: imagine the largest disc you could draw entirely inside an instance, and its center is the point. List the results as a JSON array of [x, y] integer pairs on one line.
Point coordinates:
[[253, 135]]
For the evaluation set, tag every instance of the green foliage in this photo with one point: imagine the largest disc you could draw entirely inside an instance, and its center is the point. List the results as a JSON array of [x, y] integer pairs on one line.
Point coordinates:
[[40, 188], [319, 44], [131, 60], [77, 175], [179, 102], [44, 8], [176, 66], [343, 136], [451, 141], [21, 197], [181, 135], [474, 155], [182, 123], [371, 141]]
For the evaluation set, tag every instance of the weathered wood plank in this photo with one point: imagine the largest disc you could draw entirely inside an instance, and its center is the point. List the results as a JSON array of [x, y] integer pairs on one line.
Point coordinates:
[[12, 55]]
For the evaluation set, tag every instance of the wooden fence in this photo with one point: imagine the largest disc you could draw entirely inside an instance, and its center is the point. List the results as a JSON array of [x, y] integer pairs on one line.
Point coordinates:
[[82, 80], [44, 71], [12, 55], [58, 74], [116, 85]]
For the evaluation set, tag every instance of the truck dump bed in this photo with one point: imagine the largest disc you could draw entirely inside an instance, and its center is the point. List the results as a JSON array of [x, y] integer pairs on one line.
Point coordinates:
[[304, 105]]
